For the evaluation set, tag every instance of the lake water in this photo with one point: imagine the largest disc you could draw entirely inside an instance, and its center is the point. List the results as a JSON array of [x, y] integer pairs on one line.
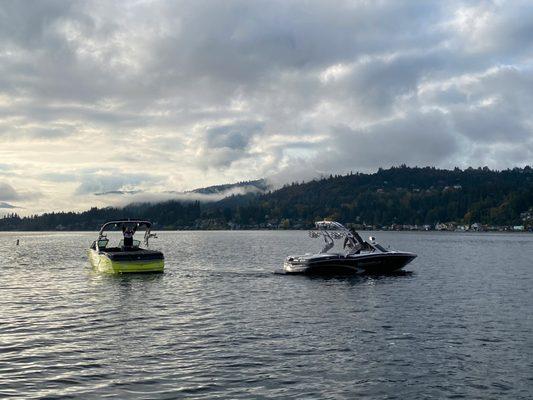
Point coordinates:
[[220, 324]]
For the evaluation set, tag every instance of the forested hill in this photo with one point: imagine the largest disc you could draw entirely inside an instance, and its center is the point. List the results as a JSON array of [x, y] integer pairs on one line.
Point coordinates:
[[399, 195], [257, 186]]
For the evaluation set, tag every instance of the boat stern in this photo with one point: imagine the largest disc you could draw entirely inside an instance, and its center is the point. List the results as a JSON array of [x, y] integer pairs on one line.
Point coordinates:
[[125, 267], [106, 263]]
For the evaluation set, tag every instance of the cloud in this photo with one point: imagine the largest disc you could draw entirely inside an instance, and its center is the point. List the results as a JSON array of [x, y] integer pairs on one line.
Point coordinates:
[[33, 131], [9, 193], [106, 182], [209, 194], [118, 192], [3, 204], [491, 27], [424, 138], [60, 177], [491, 122], [177, 95], [224, 144]]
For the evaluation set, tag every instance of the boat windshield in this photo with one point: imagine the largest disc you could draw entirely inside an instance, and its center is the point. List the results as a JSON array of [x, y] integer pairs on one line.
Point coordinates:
[[380, 248], [353, 243], [128, 227], [120, 225]]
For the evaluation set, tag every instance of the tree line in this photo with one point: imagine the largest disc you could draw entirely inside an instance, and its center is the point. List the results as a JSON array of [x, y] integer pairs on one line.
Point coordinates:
[[398, 195]]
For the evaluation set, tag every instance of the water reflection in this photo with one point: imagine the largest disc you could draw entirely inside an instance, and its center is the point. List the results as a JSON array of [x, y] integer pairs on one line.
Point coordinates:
[[218, 323], [352, 278]]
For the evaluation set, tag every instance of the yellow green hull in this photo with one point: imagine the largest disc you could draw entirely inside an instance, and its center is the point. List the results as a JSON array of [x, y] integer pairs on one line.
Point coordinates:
[[102, 263]]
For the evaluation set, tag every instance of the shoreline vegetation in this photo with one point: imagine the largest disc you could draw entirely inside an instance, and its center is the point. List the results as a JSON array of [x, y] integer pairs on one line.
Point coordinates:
[[395, 199], [495, 231]]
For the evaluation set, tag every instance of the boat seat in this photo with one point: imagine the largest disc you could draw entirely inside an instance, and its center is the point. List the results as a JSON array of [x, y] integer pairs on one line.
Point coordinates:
[[136, 244]]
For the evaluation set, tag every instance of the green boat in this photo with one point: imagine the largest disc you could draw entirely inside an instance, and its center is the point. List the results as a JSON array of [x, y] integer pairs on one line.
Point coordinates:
[[128, 256]]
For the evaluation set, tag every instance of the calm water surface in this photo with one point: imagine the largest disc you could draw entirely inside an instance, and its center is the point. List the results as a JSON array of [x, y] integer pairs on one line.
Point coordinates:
[[220, 324]]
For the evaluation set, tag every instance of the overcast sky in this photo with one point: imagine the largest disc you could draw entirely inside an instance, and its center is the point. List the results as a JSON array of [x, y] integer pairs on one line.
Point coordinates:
[[154, 96]]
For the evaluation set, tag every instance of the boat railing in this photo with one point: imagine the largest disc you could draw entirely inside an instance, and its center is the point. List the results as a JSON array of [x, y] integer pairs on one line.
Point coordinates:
[[331, 231], [129, 223]]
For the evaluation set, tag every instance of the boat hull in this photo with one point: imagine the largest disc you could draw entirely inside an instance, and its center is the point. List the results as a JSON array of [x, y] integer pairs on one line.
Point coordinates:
[[380, 263], [102, 262]]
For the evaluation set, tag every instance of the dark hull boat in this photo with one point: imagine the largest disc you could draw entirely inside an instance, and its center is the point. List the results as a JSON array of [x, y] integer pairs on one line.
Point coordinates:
[[359, 257], [340, 263]]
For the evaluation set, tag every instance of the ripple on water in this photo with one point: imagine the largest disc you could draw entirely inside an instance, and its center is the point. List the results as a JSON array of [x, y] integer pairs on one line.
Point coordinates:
[[219, 323]]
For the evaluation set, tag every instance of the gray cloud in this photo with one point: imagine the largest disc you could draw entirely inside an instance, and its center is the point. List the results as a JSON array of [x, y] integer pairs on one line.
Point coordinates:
[[122, 198], [424, 139], [58, 177], [118, 192], [232, 137], [202, 92], [3, 204], [9, 193], [224, 144], [113, 182], [491, 123]]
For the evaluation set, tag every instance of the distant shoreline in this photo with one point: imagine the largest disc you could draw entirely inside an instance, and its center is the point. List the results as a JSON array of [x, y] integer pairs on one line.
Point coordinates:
[[398, 198], [277, 230]]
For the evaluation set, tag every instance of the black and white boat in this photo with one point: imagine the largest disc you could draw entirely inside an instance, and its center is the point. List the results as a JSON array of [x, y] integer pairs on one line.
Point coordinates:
[[359, 256]]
